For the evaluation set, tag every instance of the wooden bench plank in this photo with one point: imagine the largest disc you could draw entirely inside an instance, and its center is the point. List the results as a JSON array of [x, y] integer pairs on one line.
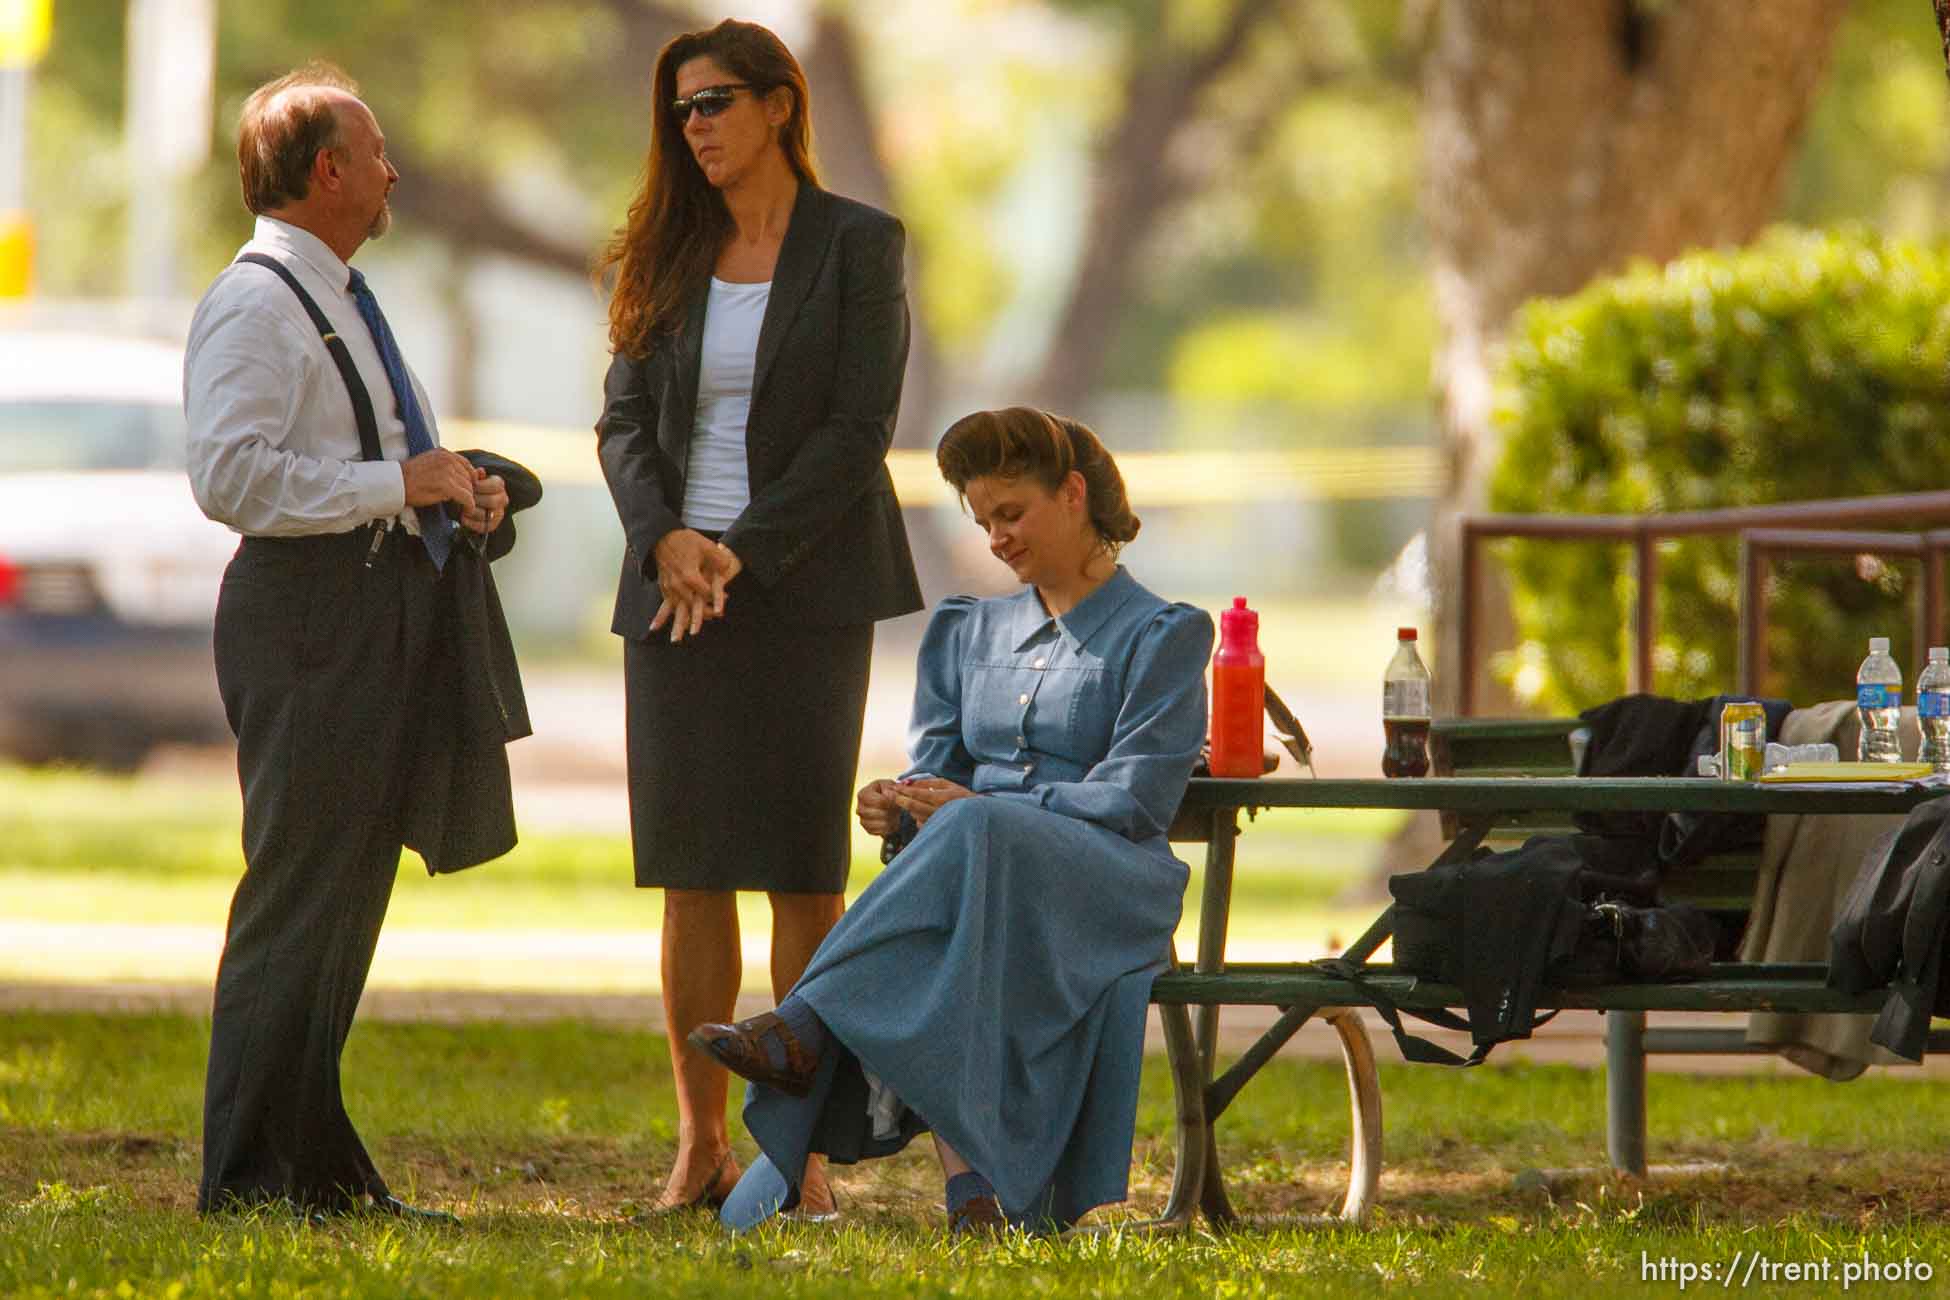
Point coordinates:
[[1501, 746], [1500, 799], [1287, 987]]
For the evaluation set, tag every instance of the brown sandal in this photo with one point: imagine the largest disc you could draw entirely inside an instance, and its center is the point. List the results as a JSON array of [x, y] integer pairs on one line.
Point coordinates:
[[978, 1216], [741, 1049]]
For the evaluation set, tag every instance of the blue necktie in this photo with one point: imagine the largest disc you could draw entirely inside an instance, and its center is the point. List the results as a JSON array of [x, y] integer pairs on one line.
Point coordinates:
[[436, 530]]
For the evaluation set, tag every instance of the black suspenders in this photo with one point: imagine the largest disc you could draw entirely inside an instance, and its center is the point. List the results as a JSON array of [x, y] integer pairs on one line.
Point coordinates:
[[355, 387]]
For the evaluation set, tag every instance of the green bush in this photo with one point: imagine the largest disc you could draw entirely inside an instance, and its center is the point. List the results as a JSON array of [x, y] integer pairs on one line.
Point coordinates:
[[1809, 365]]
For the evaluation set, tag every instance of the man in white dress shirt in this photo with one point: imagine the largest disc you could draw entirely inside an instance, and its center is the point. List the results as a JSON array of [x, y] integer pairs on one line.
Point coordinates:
[[302, 440]]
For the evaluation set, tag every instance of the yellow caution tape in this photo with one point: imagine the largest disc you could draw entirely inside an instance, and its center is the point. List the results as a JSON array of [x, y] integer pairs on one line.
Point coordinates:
[[1152, 478]]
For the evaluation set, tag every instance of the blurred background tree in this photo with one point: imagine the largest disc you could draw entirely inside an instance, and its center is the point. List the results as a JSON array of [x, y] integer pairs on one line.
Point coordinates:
[[1201, 224], [1194, 224], [1812, 364], [1565, 140]]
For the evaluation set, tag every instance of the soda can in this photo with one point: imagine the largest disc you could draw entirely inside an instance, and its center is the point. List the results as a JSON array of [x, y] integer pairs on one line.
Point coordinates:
[[1743, 741]]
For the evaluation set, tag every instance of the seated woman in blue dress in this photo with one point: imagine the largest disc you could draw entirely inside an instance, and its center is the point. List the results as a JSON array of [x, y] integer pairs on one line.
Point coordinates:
[[992, 984]]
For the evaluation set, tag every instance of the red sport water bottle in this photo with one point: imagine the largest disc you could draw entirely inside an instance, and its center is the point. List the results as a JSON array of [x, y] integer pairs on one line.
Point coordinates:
[[1238, 695]]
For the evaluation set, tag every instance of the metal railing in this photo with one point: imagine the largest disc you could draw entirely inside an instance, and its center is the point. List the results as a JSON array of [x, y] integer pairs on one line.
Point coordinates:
[[1764, 532]]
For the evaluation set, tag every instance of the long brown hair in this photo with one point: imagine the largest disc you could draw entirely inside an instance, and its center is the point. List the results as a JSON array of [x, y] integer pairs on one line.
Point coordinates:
[[678, 221]]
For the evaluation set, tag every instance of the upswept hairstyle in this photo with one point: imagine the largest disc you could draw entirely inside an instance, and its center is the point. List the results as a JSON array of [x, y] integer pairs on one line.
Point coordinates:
[[280, 134], [1019, 441], [678, 221]]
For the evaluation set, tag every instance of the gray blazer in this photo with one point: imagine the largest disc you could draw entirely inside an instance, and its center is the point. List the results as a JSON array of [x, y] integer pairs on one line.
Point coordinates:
[[822, 538]]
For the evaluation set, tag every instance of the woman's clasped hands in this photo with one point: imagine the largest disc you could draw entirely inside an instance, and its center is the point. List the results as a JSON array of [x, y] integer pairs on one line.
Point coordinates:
[[692, 573], [882, 802]]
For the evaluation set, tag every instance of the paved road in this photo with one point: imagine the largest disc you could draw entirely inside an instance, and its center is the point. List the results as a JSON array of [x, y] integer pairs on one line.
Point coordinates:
[[570, 773]]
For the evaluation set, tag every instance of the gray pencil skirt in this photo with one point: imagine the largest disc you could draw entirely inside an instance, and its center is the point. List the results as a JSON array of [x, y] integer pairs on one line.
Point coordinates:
[[743, 746]]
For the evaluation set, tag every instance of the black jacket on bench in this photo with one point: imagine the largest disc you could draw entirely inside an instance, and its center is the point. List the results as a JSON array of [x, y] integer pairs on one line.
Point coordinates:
[[1650, 735], [1893, 927]]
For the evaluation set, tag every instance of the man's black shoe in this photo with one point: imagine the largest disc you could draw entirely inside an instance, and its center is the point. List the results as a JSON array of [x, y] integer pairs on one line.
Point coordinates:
[[398, 1209]]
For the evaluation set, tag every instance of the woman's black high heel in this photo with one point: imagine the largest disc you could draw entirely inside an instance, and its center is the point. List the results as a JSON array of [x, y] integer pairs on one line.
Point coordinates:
[[708, 1199]]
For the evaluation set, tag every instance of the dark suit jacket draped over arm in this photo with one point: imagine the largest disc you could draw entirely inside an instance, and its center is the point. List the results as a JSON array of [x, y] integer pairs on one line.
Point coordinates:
[[822, 535]]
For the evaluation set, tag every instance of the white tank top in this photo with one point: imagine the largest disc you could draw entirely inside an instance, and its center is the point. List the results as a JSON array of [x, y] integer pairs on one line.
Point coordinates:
[[717, 482]]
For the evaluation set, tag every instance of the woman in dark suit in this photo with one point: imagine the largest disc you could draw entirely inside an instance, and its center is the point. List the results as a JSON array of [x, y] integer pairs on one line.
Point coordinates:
[[759, 326]]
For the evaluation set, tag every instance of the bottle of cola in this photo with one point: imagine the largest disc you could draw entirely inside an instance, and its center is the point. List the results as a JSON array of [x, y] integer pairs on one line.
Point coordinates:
[[1405, 710]]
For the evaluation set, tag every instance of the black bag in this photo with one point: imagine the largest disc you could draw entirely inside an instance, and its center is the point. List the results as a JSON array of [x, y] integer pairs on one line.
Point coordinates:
[[1492, 925], [1503, 926], [1617, 941]]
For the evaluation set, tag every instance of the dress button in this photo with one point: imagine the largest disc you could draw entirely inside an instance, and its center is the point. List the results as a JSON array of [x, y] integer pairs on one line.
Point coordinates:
[[1022, 699]]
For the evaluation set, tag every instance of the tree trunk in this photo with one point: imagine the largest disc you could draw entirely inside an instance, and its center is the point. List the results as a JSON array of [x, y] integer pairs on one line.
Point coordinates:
[[1137, 181], [1565, 140], [851, 164]]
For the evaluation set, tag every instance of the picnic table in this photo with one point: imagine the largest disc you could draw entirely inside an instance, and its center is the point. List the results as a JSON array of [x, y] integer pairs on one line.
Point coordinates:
[[1473, 807]]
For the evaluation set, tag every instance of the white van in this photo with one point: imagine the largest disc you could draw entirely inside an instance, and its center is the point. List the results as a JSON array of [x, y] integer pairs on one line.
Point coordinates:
[[109, 572]]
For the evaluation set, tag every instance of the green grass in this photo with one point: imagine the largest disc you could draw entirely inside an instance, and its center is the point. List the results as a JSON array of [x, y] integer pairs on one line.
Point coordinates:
[[81, 849], [544, 1136]]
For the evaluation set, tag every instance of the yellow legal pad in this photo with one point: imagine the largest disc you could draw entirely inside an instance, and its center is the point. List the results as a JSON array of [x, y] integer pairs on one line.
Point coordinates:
[[1848, 772]]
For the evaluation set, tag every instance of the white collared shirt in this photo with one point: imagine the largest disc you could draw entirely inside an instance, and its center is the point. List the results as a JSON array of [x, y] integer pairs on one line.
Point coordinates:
[[273, 443]]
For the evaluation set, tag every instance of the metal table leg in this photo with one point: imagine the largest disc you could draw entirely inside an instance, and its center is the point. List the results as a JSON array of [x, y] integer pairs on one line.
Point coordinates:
[[1364, 1104], [1198, 1180], [1194, 1132], [1215, 911], [1625, 1090]]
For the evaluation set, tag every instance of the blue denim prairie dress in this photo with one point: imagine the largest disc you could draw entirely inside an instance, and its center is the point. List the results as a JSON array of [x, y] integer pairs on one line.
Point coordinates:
[[995, 978]]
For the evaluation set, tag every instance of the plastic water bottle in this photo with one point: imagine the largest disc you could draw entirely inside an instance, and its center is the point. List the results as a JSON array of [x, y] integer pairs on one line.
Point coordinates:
[[1933, 709], [1879, 702], [1405, 710]]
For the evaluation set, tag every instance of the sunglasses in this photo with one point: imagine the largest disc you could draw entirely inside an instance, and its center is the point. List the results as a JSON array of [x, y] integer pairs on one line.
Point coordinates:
[[709, 102]]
